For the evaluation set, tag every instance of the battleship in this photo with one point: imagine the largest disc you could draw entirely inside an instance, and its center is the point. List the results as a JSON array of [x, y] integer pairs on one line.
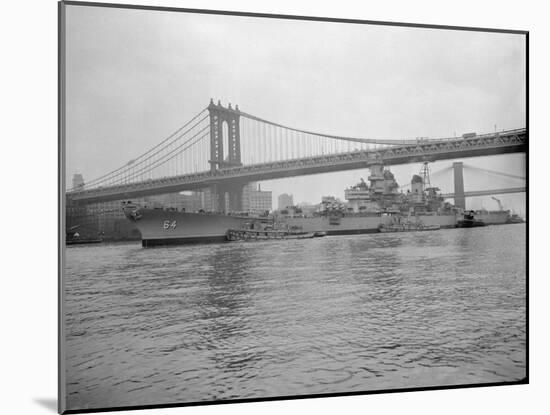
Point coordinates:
[[368, 208]]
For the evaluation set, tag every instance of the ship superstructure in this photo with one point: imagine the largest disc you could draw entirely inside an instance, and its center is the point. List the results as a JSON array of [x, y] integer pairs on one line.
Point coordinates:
[[383, 195]]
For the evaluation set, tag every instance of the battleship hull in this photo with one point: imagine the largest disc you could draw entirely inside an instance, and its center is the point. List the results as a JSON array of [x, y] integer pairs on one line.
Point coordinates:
[[170, 227], [349, 225], [166, 227]]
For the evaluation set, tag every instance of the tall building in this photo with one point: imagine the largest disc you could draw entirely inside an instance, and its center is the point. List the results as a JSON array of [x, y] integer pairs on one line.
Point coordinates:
[[285, 200], [256, 200], [78, 180], [205, 196]]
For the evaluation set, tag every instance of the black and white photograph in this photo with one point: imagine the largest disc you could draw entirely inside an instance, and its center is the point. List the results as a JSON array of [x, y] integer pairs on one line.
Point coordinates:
[[258, 207]]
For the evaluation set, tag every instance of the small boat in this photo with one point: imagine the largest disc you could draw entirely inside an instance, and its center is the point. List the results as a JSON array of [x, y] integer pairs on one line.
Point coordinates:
[[256, 231], [82, 241], [407, 227], [469, 221], [72, 237], [515, 218], [263, 234]]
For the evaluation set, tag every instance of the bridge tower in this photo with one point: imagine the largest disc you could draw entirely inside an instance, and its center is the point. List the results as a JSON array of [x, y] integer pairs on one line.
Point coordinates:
[[460, 200], [225, 151]]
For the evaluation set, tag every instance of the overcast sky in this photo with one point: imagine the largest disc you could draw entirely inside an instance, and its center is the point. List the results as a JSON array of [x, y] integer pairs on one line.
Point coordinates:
[[134, 76]]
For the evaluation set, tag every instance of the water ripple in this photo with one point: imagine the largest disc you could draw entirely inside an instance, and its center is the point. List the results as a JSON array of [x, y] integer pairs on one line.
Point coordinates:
[[335, 314]]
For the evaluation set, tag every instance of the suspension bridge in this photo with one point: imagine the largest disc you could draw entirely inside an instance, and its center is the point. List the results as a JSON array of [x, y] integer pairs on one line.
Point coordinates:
[[223, 149], [458, 168]]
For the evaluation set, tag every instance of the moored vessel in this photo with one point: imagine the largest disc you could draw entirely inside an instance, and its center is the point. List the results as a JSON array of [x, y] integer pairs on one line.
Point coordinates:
[[469, 221], [407, 227], [515, 218], [73, 237], [262, 231], [264, 235]]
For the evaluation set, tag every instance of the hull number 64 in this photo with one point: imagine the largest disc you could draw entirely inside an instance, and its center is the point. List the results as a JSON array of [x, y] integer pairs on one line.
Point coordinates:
[[169, 224]]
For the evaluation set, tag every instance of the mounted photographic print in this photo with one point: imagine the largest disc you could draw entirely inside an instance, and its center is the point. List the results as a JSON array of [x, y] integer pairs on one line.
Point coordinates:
[[259, 207]]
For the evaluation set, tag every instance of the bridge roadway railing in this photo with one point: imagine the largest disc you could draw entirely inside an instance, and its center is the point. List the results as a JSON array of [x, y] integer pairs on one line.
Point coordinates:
[[481, 136], [509, 141]]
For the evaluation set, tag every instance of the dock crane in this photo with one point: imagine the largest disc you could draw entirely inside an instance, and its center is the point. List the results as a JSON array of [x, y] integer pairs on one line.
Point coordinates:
[[498, 201]]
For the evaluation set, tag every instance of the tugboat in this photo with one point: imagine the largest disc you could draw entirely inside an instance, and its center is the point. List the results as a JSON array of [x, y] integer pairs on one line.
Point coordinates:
[[469, 221], [258, 232], [72, 237], [515, 218], [407, 226]]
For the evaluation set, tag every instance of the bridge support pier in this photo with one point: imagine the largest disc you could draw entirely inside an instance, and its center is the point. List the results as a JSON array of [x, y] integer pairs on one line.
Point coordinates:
[[460, 200], [225, 152], [227, 198]]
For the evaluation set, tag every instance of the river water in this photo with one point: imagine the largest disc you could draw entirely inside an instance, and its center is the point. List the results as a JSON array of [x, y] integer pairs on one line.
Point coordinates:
[[333, 314]]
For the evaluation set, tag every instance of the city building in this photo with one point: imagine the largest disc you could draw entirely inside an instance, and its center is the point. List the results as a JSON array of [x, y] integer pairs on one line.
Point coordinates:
[[256, 200], [78, 181], [205, 196], [284, 201]]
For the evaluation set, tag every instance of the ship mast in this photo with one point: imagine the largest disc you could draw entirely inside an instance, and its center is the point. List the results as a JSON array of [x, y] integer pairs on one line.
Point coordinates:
[[425, 174]]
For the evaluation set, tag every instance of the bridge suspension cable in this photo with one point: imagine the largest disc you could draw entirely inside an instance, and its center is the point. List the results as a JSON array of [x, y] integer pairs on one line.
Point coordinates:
[[498, 173], [161, 159], [343, 138], [147, 159], [156, 163], [169, 156], [437, 173]]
